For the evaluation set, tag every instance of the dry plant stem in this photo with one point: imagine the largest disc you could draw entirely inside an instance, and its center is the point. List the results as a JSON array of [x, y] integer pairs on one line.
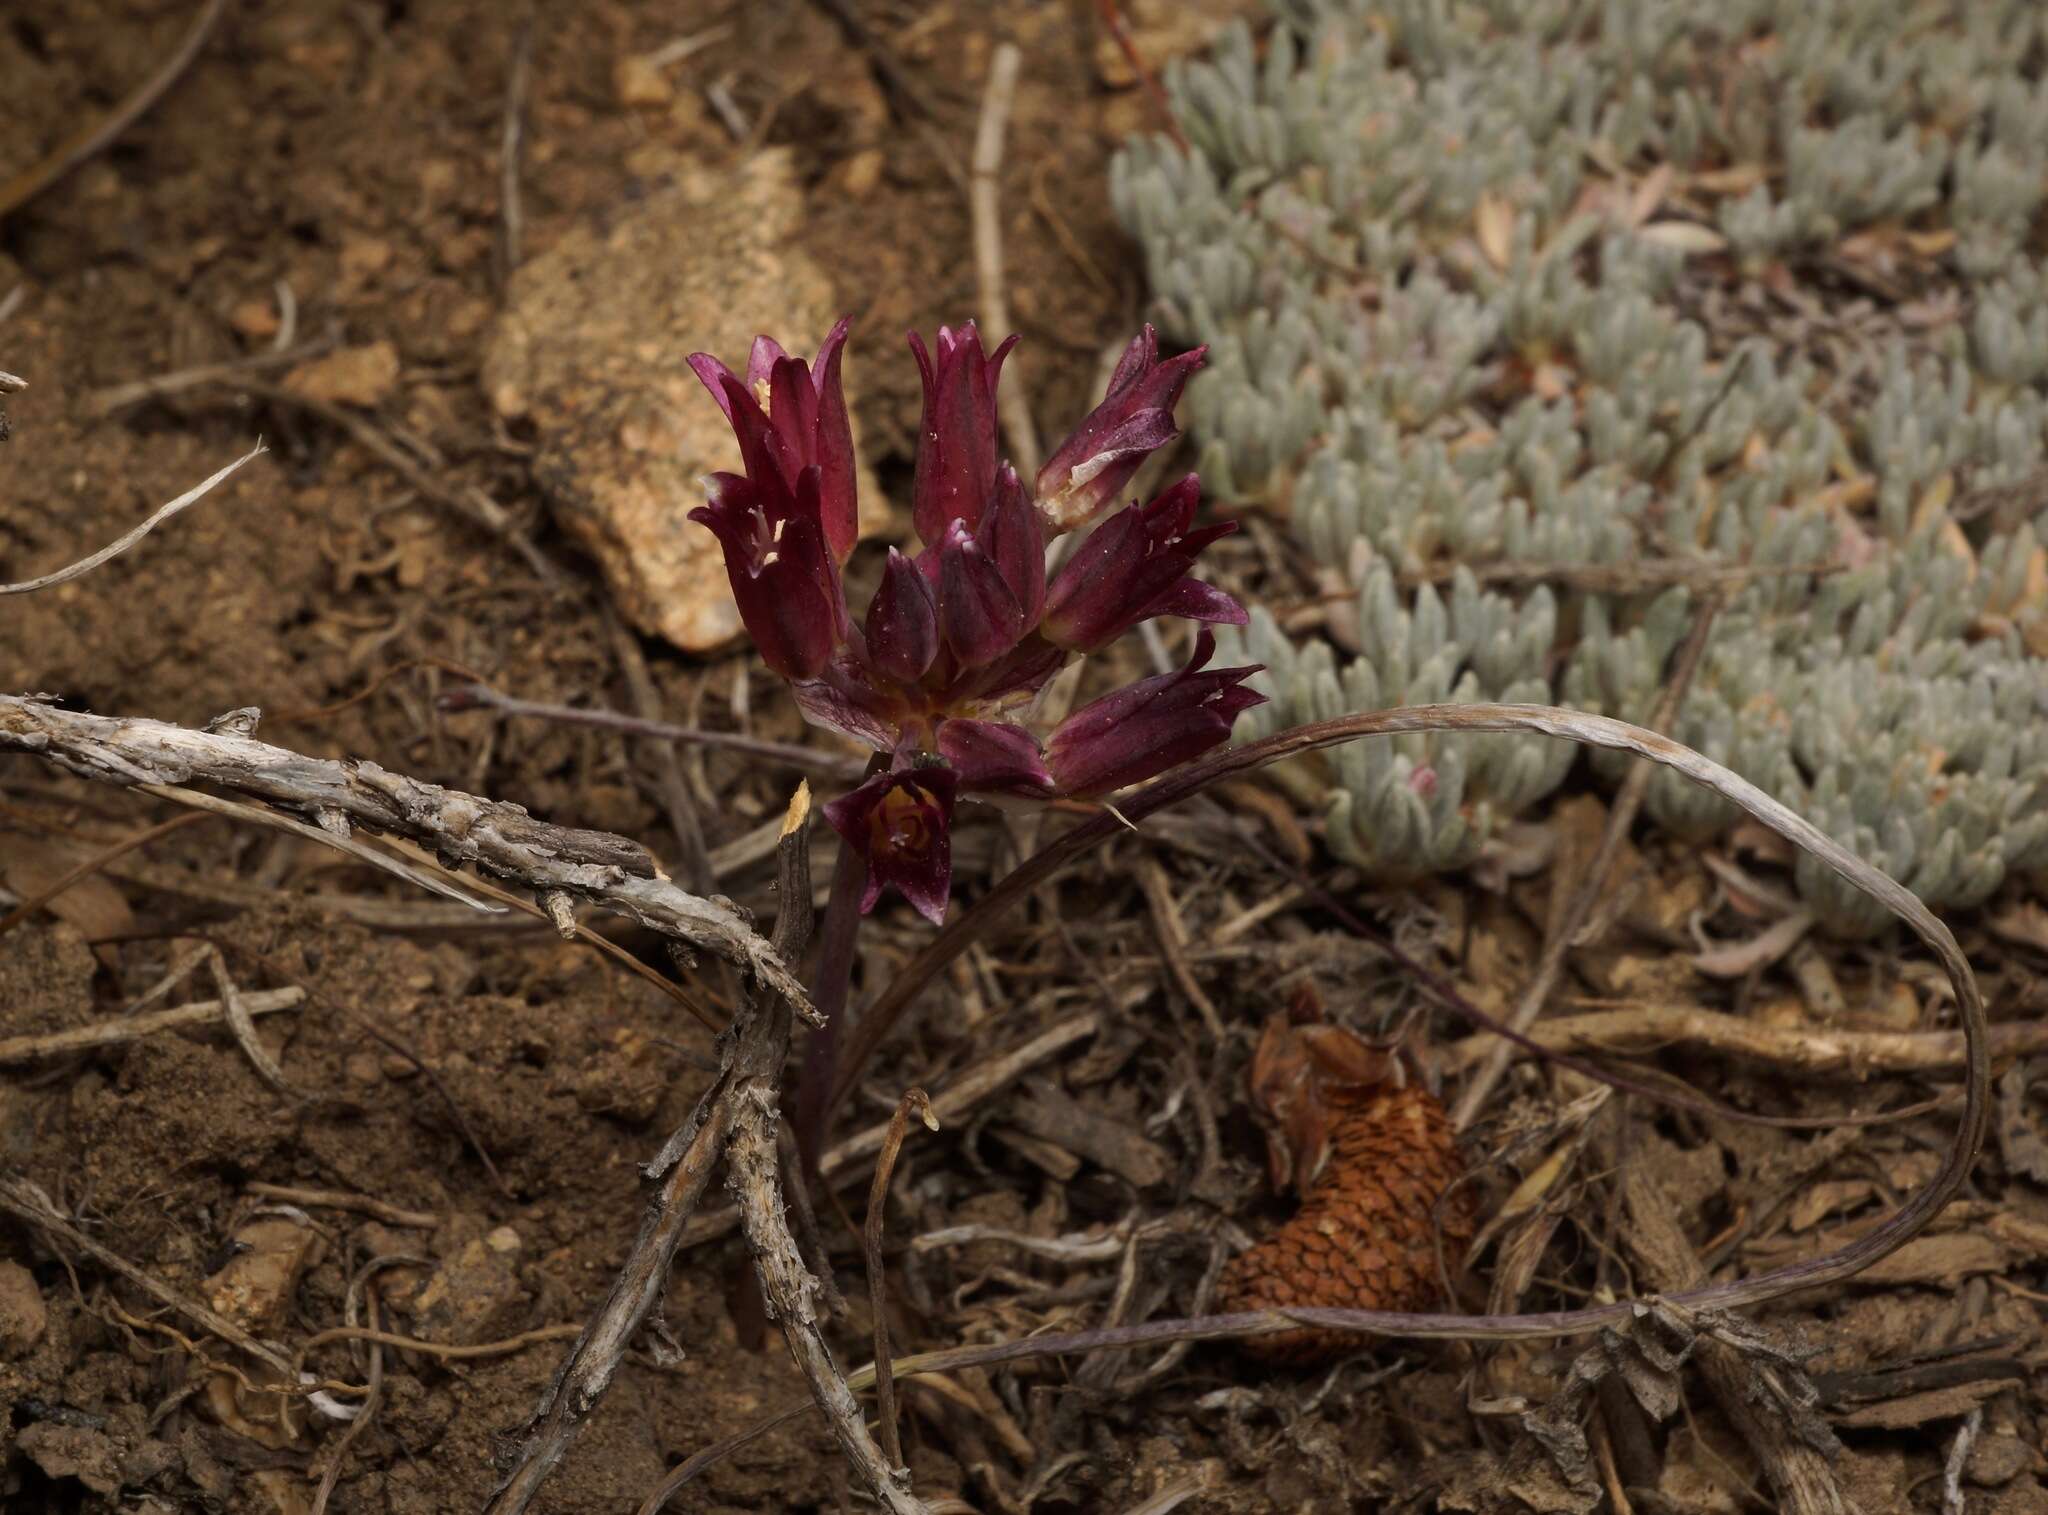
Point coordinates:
[[243, 1026], [957, 1101], [511, 142], [133, 1028], [25, 186], [118, 397], [1569, 725], [1113, 18], [336, 1458], [809, 760], [121, 544], [28, 1204], [878, 1272], [1557, 947], [1800, 1475], [336, 1199], [791, 1289], [985, 183], [501, 840], [753, 1049], [1849, 1054], [830, 992], [92, 865], [682, 815], [471, 505]]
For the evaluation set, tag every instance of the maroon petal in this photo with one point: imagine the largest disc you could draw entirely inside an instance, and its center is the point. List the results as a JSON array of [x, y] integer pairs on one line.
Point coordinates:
[[994, 755], [1090, 468], [979, 617], [832, 446], [1135, 566], [956, 452], [715, 375], [901, 825], [1010, 532], [902, 627], [1158, 723], [761, 360]]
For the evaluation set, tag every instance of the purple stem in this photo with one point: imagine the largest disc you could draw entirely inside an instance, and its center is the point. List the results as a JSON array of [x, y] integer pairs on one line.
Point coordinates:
[[829, 994]]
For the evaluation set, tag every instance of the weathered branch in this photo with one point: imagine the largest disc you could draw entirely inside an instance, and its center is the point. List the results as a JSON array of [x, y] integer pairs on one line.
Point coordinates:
[[499, 839], [752, 1050]]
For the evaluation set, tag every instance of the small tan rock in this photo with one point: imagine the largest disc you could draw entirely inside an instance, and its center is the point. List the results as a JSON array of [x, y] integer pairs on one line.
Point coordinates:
[[363, 1068], [638, 79], [474, 1295], [23, 1316], [254, 319], [256, 1285], [593, 347], [364, 376]]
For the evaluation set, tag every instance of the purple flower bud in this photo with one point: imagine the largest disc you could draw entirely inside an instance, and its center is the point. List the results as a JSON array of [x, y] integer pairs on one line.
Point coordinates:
[[979, 617], [994, 755], [1151, 726], [902, 629], [956, 451], [901, 825], [1135, 417], [1009, 531], [1135, 566], [783, 576], [804, 425]]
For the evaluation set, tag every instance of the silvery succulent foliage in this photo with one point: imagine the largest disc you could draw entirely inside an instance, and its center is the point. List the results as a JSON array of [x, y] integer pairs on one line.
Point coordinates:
[[1433, 344]]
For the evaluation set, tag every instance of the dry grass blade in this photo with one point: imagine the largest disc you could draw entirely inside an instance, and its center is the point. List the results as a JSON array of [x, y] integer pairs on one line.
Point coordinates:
[[1567, 725], [340, 843], [122, 543], [914, 1100], [38, 177]]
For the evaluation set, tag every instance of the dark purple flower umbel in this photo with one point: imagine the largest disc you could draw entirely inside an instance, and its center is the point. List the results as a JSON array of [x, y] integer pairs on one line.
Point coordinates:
[[960, 638], [1135, 417]]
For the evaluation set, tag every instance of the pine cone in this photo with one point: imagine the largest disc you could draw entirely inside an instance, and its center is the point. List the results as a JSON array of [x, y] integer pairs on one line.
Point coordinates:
[[1365, 1235]]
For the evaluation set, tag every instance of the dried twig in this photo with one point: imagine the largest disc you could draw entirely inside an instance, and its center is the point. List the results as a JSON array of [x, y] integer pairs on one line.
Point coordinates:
[[985, 207], [1799, 1472], [790, 1289], [32, 181], [133, 1028], [121, 544], [808, 760], [242, 1025], [337, 1199], [471, 505], [1821, 1050], [878, 1273], [1563, 937], [957, 1101], [117, 397], [511, 142], [499, 839], [27, 1203], [753, 1050], [682, 815]]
